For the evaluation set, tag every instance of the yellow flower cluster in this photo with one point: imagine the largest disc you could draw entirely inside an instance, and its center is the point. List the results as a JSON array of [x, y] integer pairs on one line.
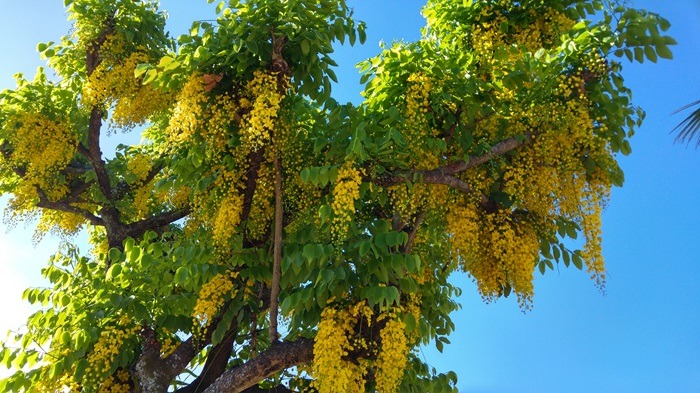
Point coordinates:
[[345, 192], [544, 30], [113, 83], [592, 229], [497, 32], [64, 383], [181, 196], [222, 113], [331, 371], [227, 218], [109, 345], [571, 85], [118, 383], [140, 165], [188, 115], [211, 297], [266, 98], [113, 48], [337, 338], [97, 238], [487, 35], [416, 127], [43, 146], [142, 197], [392, 359], [407, 202], [465, 230], [548, 176], [596, 64], [59, 223], [262, 210], [496, 249], [138, 106], [168, 343]]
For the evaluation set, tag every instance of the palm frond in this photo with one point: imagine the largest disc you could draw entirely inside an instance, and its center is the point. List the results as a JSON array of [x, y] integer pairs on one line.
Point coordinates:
[[689, 128]]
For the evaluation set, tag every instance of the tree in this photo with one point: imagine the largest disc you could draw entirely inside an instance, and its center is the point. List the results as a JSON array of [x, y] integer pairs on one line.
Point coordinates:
[[256, 198]]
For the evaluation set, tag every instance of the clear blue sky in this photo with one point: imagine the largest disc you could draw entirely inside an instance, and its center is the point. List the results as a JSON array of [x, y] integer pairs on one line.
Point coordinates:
[[642, 336]]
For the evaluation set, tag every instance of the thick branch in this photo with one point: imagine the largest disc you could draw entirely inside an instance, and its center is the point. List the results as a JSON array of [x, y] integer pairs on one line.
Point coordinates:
[[414, 231], [94, 154], [63, 205], [138, 228], [216, 363], [45, 203], [280, 356], [181, 357], [92, 55], [277, 252], [254, 159], [123, 188], [446, 174]]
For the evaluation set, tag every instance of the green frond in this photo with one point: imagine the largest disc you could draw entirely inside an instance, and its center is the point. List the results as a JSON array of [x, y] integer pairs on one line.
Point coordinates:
[[689, 128]]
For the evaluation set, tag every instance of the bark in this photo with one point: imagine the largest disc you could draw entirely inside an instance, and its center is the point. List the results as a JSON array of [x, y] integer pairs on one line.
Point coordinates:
[[277, 252], [94, 154], [255, 159], [215, 365], [138, 228], [280, 356]]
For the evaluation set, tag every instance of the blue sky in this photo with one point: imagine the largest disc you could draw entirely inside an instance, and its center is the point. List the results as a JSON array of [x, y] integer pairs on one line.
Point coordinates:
[[643, 335]]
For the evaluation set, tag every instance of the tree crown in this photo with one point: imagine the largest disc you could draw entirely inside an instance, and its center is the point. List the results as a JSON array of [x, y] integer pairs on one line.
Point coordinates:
[[481, 147]]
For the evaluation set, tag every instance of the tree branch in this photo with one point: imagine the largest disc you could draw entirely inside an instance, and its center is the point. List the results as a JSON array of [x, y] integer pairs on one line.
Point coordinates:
[[45, 203], [446, 174], [414, 231], [63, 205], [138, 228], [255, 159], [277, 252], [123, 188], [278, 357], [216, 363], [94, 154]]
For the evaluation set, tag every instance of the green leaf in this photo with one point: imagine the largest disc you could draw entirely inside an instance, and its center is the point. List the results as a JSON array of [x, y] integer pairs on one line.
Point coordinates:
[[410, 322], [650, 53], [365, 247], [361, 32], [331, 74], [578, 261], [114, 271], [565, 255], [181, 275], [305, 47], [324, 212], [664, 52], [305, 175]]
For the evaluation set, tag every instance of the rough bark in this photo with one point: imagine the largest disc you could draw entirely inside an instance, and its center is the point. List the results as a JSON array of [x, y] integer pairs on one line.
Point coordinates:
[[277, 252], [280, 356], [215, 365]]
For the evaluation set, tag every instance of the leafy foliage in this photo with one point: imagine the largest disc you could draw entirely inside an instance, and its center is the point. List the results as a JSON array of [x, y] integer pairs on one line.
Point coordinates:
[[481, 147]]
